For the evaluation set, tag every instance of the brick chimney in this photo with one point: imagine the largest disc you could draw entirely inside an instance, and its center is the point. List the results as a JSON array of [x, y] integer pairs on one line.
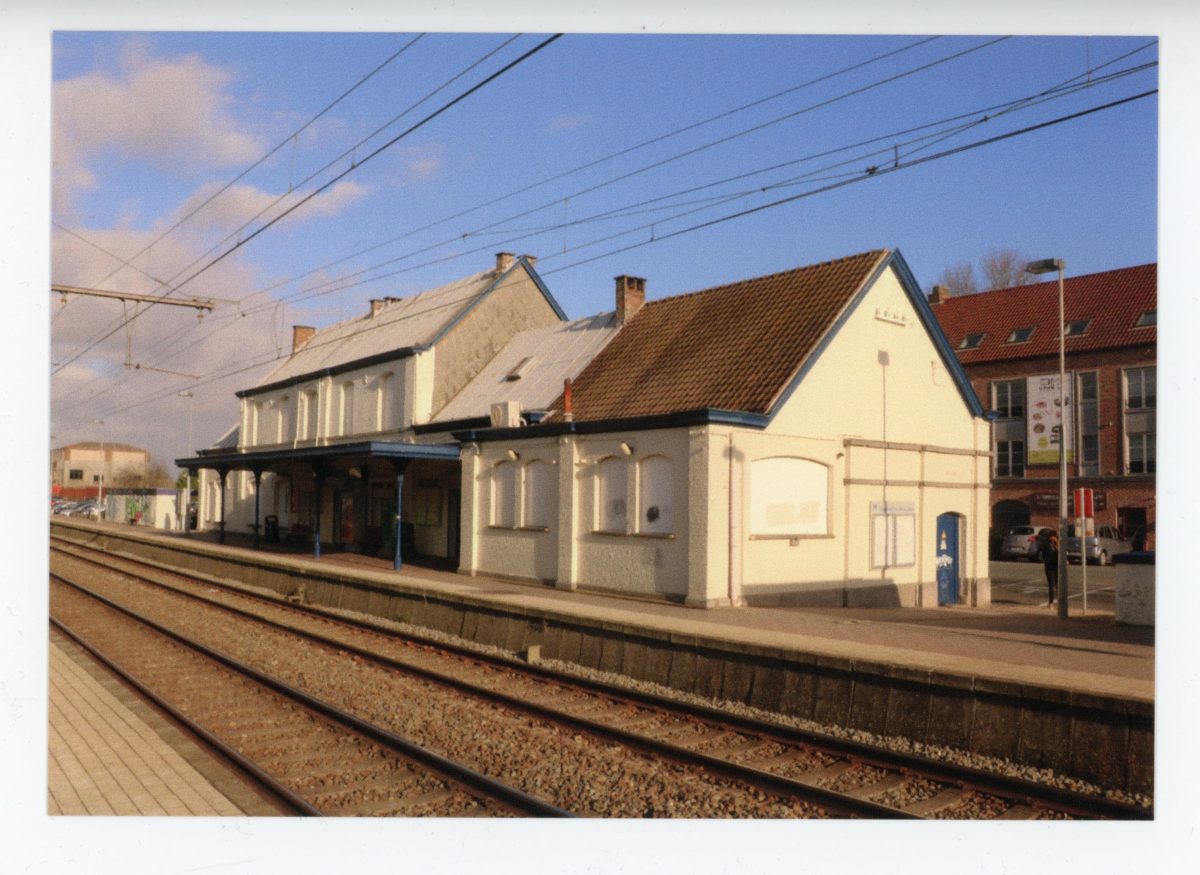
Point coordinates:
[[301, 334], [939, 294], [631, 295], [504, 261]]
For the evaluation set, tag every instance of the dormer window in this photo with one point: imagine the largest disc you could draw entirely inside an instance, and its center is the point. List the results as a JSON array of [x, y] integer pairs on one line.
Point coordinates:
[[1150, 317], [1076, 327], [971, 341], [1020, 335]]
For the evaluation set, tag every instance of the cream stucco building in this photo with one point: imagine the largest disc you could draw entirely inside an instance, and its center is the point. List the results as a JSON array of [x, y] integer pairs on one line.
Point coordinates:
[[806, 437]]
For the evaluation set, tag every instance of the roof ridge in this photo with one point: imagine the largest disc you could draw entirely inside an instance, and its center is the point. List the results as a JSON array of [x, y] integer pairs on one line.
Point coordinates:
[[1066, 280], [768, 276]]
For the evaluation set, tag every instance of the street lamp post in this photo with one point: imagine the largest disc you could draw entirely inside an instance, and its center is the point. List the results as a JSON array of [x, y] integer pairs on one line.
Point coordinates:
[[1048, 265], [187, 496], [103, 468]]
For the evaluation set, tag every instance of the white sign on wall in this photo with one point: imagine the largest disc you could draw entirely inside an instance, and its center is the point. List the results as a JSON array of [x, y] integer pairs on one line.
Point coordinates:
[[1044, 420]]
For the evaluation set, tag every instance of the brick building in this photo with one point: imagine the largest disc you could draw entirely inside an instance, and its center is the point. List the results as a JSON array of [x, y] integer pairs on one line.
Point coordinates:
[[1008, 340]]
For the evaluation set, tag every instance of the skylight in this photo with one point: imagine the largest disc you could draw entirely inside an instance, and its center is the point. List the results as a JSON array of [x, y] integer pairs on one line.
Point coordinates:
[[971, 341], [1020, 335], [1150, 317], [1076, 327], [519, 371]]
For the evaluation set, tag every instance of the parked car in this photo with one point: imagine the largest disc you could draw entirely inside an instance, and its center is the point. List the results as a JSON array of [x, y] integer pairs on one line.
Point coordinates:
[[1024, 542], [1101, 547], [65, 508], [91, 509]]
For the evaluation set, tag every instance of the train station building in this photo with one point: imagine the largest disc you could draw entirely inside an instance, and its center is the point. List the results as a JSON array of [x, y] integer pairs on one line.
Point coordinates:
[[807, 437], [1008, 343]]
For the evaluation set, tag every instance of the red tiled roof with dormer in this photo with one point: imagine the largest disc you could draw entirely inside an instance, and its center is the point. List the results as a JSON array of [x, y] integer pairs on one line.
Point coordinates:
[[1112, 301]]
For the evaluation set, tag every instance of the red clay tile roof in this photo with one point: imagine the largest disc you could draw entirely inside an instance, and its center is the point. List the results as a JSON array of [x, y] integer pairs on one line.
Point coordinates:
[[1112, 300], [733, 347]]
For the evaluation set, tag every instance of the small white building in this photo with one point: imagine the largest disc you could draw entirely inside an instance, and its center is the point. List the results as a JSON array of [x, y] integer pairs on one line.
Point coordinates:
[[806, 437], [156, 508]]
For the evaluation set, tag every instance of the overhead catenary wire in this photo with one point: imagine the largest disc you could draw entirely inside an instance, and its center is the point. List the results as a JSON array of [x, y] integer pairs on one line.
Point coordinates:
[[341, 281], [325, 186], [991, 112], [123, 262], [859, 178]]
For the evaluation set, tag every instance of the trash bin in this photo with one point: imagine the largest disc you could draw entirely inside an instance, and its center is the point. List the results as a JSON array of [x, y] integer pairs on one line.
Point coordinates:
[[271, 529]]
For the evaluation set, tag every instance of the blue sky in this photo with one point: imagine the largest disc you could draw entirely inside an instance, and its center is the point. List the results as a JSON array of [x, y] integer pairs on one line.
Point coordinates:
[[147, 125]]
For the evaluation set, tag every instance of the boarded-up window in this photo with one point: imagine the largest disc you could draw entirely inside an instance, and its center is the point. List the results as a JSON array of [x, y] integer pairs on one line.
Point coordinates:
[[538, 495], [656, 514], [789, 496], [308, 415], [611, 498], [383, 402], [504, 495]]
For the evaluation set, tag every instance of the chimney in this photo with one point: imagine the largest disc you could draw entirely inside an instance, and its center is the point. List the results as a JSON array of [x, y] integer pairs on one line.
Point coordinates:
[[301, 334], [377, 305], [568, 410], [939, 294], [631, 295], [504, 261]]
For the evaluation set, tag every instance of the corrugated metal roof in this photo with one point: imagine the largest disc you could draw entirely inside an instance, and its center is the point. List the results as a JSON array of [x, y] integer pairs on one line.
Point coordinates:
[[400, 323], [544, 356], [1111, 301], [735, 347]]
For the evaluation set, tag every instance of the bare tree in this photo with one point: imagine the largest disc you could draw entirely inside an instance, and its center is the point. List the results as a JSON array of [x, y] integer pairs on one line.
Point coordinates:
[[959, 279], [1003, 269]]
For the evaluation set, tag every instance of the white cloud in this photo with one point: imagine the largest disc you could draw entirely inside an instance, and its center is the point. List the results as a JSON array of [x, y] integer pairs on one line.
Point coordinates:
[[243, 203], [171, 113], [423, 162]]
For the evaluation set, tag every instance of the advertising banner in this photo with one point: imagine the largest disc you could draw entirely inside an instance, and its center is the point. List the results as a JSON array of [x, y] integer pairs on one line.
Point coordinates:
[[1044, 420]]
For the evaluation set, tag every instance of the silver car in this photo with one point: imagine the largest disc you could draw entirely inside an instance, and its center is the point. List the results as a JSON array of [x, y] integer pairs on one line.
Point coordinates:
[[1101, 547], [1024, 542]]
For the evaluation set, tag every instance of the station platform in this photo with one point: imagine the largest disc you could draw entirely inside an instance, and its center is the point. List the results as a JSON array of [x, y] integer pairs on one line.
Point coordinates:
[[1009, 680], [112, 754], [1024, 644]]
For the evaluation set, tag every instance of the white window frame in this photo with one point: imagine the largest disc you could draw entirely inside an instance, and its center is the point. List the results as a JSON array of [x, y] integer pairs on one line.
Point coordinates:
[[893, 535]]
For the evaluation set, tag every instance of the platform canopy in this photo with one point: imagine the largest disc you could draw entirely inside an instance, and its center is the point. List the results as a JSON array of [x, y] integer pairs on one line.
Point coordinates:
[[285, 458]]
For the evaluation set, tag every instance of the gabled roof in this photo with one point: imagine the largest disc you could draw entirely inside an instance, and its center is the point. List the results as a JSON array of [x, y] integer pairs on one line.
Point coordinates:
[[400, 327], [1112, 301], [735, 347], [532, 366]]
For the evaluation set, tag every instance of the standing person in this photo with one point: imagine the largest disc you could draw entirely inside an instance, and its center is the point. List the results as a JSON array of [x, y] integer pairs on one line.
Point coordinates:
[[1050, 561]]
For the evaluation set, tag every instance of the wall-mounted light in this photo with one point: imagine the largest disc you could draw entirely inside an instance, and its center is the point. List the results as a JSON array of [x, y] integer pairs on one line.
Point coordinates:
[[513, 455], [356, 473], [626, 448]]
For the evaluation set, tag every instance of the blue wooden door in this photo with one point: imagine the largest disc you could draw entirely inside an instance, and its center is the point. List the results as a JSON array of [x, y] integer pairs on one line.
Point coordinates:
[[947, 559]]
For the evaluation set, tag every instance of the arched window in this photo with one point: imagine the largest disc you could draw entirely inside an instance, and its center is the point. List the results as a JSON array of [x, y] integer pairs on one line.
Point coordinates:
[[656, 490], [538, 499], [504, 495], [611, 496], [789, 496], [254, 415], [346, 409], [383, 401], [308, 415], [283, 420]]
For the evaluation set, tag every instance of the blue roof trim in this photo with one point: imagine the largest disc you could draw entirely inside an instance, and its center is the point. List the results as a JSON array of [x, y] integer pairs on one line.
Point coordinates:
[[913, 291], [533, 275], [678, 419]]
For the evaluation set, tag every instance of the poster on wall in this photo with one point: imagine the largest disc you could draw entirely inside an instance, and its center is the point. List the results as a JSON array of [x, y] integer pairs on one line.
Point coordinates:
[[1044, 420]]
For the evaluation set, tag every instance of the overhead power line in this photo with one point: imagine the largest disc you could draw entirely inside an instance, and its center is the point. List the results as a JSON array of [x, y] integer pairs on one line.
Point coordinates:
[[863, 176], [491, 78]]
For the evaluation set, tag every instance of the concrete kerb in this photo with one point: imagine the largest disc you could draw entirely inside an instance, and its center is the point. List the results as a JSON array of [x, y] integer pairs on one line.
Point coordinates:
[[1110, 739]]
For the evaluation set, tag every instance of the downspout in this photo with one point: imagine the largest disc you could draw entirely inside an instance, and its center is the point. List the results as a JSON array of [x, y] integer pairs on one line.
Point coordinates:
[[735, 534]]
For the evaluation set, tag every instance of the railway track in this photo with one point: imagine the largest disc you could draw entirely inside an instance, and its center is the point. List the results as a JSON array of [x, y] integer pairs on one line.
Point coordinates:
[[826, 775]]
